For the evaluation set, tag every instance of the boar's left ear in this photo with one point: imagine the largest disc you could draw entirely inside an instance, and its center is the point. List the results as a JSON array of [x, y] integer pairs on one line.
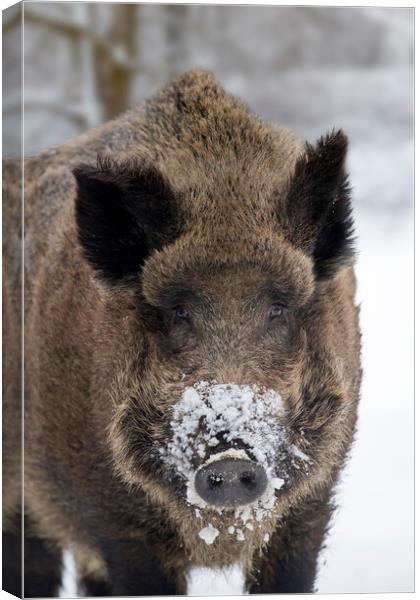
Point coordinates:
[[123, 213], [317, 215]]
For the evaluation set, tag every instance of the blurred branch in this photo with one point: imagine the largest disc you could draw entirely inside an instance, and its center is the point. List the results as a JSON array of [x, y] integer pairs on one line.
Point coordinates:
[[72, 29], [11, 17], [114, 53]]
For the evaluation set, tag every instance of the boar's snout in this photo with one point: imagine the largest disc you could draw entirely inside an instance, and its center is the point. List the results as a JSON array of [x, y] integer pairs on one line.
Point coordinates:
[[231, 482]]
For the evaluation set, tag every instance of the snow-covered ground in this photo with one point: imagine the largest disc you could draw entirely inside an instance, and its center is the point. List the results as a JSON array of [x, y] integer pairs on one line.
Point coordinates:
[[370, 547], [371, 544]]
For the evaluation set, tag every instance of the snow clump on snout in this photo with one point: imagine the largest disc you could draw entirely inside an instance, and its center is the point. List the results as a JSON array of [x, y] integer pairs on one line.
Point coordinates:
[[210, 413]]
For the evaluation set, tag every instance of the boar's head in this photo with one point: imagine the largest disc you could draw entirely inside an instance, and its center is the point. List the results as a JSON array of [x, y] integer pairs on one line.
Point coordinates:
[[223, 269]]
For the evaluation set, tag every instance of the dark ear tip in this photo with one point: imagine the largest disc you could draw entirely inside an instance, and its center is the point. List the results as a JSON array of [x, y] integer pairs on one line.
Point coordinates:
[[104, 165], [335, 140], [78, 172], [330, 149], [82, 173], [101, 174]]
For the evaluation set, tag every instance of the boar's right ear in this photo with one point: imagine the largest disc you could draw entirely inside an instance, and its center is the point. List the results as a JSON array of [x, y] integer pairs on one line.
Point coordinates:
[[317, 215], [123, 213]]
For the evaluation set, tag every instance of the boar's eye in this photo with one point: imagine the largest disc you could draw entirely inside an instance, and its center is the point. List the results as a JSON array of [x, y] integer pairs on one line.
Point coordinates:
[[275, 311], [181, 313]]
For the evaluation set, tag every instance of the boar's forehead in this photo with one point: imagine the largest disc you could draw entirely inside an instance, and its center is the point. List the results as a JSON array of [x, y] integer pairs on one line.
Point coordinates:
[[201, 135], [228, 171], [194, 257]]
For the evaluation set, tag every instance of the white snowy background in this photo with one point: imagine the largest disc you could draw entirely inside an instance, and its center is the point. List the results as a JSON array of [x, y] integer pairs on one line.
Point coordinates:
[[309, 69]]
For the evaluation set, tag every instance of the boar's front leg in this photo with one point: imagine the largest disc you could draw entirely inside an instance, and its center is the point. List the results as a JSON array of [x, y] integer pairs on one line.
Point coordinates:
[[94, 587], [134, 570], [42, 564], [290, 561]]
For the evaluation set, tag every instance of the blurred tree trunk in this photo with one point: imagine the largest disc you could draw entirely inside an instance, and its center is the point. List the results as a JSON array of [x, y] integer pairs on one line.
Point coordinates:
[[116, 60], [84, 49]]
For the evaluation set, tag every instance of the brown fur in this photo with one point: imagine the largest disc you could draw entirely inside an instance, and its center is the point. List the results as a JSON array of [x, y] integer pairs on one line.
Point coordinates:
[[100, 383]]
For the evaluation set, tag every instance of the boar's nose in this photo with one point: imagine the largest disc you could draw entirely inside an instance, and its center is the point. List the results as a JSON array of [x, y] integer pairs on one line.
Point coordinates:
[[231, 482]]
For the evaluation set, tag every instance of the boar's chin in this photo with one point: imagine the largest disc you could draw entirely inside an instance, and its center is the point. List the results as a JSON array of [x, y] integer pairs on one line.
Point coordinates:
[[216, 540]]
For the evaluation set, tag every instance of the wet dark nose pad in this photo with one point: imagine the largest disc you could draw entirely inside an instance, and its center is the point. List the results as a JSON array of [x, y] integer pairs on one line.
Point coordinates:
[[231, 482]]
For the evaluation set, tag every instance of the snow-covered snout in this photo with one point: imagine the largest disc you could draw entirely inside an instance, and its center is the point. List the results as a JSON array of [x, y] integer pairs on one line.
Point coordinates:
[[225, 438]]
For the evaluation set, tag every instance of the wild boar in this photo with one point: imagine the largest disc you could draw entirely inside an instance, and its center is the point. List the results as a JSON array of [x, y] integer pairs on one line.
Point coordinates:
[[192, 351]]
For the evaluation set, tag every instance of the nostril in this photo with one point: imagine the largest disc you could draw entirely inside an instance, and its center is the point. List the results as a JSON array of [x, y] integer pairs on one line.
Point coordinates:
[[215, 480], [248, 479]]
